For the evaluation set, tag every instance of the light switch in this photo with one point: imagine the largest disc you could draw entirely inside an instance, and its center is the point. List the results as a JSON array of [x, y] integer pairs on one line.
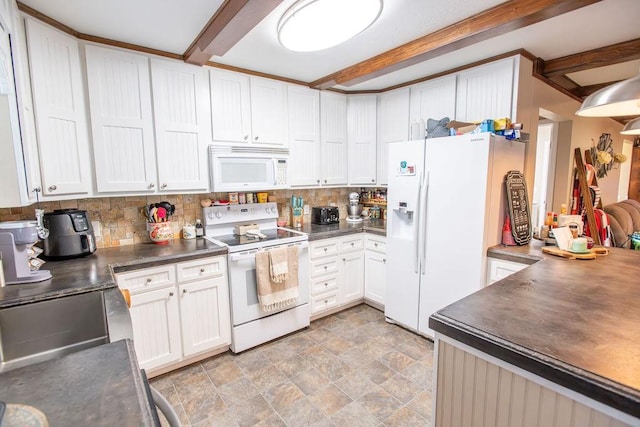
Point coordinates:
[[305, 210]]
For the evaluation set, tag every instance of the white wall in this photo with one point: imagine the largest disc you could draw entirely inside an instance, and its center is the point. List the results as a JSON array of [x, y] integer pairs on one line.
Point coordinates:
[[584, 131]]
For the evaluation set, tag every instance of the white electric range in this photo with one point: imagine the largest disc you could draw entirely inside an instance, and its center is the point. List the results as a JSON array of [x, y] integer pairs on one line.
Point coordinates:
[[250, 325]]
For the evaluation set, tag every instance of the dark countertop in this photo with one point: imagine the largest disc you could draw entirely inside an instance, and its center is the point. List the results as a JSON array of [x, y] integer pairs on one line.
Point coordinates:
[[573, 322], [527, 254], [100, 386], [94, 272], [319, 232]]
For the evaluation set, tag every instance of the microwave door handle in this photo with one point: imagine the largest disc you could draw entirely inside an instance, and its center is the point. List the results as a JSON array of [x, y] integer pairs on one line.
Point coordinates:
[[275, 171]]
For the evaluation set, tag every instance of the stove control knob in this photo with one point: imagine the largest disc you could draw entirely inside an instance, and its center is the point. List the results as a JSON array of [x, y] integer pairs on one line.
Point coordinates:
[[267, 210], [218, 214], [273, 209]]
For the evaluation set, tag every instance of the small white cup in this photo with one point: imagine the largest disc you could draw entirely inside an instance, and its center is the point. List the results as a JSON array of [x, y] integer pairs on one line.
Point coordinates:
[[189, 232]]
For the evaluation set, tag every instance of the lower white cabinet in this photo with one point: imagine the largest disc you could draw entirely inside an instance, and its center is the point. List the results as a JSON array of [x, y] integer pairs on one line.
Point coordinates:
[[498, 269], [337, 272], [375, 268], [176, 319]]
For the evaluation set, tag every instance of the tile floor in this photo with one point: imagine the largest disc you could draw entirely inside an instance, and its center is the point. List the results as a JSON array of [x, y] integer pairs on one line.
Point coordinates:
[[348, 369]]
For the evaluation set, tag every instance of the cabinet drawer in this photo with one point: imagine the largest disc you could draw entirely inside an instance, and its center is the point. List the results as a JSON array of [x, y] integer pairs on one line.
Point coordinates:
[[201, 268], [324, 302], [147, 278], [376, 244], [498, 269], [351, 243], [324, 284], [323, 248], [324, 266]]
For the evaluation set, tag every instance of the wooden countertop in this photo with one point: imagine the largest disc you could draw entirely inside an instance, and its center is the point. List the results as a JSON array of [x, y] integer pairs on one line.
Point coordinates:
[[573, 322]]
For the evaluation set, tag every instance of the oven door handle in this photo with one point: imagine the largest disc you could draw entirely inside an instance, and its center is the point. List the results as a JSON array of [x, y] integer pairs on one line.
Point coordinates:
[[240, 256]]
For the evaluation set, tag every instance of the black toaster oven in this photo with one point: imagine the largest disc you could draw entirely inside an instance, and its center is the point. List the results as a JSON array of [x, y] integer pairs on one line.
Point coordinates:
[[325, 215]]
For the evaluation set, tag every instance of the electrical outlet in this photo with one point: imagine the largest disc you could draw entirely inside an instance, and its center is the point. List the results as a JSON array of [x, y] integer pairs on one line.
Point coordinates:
[[306, 210], [97, 228]]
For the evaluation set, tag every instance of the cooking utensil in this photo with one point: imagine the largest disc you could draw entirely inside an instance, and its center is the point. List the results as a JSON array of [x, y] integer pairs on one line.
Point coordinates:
[[162, 214]]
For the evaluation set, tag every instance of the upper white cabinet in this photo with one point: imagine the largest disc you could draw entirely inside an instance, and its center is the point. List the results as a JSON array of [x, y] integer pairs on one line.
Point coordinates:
[[304, 135], [486, 91], [182, 130], [393, 126], [434, 99], [60, 112], [121, 120], [268, 112], [361, 139], [247, 110], [333, 138]]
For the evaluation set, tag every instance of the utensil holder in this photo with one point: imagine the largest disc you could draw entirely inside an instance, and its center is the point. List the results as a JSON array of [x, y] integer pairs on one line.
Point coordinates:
[[160, 232]]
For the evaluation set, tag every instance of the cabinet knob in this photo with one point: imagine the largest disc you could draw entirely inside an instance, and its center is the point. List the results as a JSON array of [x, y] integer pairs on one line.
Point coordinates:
[[149, 279], [373, 180], [318, 181], [326, 284], [325, 267], [164, 185], [170, 294], [202, 270], [325, 249], [325, 181], [352, 244], [326, 301], [344, 259], [375, 244], [53, 187], [151, 185], [246, 137], [184, 291], [36, 189], [384, 260], [255, 138]]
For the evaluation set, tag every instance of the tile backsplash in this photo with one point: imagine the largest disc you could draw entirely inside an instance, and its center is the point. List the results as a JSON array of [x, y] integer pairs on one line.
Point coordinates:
[[121, 221]]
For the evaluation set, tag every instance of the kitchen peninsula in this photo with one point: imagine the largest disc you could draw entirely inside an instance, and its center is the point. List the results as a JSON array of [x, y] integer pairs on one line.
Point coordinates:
[[558, 340]]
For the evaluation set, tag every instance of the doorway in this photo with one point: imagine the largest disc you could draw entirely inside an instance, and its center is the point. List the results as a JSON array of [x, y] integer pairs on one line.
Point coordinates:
[[543, 184]]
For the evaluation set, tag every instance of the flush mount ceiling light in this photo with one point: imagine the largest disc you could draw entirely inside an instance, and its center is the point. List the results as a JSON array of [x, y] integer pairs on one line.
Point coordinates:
[[619, 99], [632, 127], [311, 25]]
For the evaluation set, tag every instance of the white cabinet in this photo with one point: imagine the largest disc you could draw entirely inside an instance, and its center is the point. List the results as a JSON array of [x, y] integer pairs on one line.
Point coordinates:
[[268, 112], [434, 99], [333, 138], [361, 139], [337, 272], [393, 126], [375, 268], [304, 135], [486, 92], [121, 120], [182, 129], [155, 320], [498, 269], [247, 110], [60, 112], [351, 269], [178, 311]]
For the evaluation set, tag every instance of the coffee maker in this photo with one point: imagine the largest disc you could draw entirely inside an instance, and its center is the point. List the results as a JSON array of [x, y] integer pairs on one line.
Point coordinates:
[[16, 239], [354, 209]]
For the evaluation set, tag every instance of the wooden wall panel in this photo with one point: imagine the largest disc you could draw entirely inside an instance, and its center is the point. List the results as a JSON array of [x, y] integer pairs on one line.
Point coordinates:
[[474, 392]]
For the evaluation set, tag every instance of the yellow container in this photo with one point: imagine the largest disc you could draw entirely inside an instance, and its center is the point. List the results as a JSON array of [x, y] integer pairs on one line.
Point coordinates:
[[263, 197]]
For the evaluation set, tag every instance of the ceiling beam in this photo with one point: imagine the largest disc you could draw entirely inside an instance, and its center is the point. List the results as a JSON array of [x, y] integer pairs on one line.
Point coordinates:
[[501, 19], [231, 22], [600, 57]]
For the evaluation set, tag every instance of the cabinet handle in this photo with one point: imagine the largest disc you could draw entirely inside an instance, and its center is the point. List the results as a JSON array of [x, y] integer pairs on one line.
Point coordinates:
[[246, 137], [325, 181], [38, 189], [325, 249], [373, 180], [326, 284], [344, 259], [151, 185], [202, 270], [170, 294], [164, 185], [149, 279], [384, 260], [352, 244], [255, 138], [325, 267], [375, 244], [53, 187], [326, 301], [318, 181], [184, 291]]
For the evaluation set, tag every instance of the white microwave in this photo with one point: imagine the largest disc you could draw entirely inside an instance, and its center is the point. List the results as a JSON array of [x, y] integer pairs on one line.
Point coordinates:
[[248, 168]]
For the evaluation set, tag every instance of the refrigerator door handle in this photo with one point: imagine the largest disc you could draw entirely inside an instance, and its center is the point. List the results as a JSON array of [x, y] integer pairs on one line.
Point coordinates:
[[416, 218], [423, 208]]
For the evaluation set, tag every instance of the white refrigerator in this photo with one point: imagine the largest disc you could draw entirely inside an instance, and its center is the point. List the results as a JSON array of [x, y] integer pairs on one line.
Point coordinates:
[[445, 207]]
